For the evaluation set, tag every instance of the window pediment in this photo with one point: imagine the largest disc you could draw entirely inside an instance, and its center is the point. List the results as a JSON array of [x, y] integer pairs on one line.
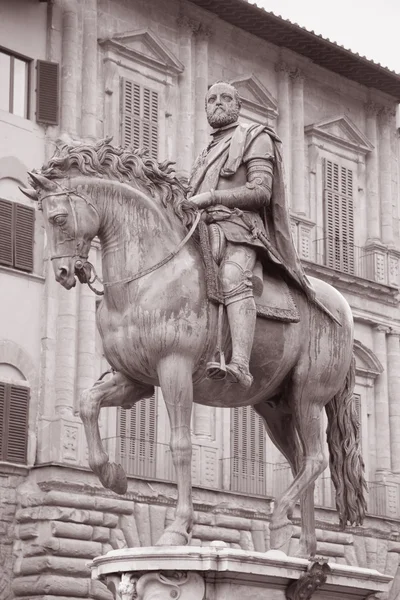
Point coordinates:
[[144, 47], [340, 131], [255, 96]]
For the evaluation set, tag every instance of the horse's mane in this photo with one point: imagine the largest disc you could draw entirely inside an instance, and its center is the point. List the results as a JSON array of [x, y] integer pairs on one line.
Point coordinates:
[[125, 164]]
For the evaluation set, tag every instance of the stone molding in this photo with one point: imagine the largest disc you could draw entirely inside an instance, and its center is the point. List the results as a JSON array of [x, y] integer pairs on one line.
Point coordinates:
[[354, 139], [255, 96], [157, 56], [352, 284], [374, 365], [188, 24]]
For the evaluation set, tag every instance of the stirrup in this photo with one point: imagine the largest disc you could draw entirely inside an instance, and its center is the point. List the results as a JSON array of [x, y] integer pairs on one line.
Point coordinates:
[[216, 370]]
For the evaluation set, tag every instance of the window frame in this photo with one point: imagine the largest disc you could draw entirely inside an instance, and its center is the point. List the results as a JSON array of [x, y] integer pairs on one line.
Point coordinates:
[[28, 62]]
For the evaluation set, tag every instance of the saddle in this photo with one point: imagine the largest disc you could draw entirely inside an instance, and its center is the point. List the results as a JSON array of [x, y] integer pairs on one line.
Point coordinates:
[[271, 292]]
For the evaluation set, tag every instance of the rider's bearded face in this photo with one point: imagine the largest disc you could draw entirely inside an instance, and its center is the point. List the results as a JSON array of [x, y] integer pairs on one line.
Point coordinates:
[[222, 106]]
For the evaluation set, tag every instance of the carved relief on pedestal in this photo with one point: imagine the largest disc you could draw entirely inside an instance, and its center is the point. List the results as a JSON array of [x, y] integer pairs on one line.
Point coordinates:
[[178, 585], [70, 443]]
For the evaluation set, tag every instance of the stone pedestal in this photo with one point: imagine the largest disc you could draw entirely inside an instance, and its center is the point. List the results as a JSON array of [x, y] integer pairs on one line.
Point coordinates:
[[222, 573]]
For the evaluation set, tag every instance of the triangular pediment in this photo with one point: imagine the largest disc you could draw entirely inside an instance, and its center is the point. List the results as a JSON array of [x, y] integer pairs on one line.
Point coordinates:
[[342, 131], [144, 47], [255, 95]]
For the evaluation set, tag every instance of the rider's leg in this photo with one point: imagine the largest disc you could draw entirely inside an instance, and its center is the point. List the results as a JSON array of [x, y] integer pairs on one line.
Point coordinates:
[[236, 277]]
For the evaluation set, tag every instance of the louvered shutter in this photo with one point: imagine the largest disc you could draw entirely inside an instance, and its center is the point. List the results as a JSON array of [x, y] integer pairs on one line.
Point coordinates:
[[47, 105], [3, 432], [17, 424], [137, 431], [24, 235], [6, 233], [14, 408], [247, 451], [139, 117], [339, 217]]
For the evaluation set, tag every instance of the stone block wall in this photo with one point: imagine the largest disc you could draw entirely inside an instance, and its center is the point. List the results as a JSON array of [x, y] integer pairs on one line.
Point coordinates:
[[61, 524], [8, 506]]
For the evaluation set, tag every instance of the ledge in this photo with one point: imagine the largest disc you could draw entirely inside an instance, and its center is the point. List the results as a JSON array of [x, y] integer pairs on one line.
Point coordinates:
[[262, 573], [345, 282], [25, 274], [13, 469]]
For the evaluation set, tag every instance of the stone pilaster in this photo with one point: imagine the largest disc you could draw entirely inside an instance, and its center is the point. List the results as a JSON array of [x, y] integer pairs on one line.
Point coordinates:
[[201, 87], [69, 67], [298, 159], [385, 175], [382, 427], [394, 397], [283, 70], [372, 175], [89, 69], [187, 28]]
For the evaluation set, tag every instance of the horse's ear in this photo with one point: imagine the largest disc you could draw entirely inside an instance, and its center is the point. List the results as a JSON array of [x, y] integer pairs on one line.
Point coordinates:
[[43, 182], [32, 194]]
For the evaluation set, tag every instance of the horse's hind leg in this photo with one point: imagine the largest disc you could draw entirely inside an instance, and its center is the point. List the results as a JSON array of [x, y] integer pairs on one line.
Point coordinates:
[[281, 429], [175, 375], [307, 414], [115, 391]]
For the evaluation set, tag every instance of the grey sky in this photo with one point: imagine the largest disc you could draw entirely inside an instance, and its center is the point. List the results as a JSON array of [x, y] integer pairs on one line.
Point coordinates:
[[368, 27]]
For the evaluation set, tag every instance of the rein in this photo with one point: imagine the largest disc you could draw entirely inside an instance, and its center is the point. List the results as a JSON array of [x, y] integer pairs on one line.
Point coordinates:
[[82, 260]]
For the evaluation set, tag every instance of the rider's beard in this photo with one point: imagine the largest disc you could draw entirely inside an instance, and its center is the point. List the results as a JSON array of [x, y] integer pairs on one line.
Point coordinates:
[[220, 117]]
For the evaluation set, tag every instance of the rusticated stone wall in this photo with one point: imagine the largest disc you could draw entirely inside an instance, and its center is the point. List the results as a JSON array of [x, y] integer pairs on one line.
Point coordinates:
[[61, 523], [8, 507]]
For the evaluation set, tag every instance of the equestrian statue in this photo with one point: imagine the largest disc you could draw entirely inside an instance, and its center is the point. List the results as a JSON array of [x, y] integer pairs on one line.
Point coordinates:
[[193, 275]]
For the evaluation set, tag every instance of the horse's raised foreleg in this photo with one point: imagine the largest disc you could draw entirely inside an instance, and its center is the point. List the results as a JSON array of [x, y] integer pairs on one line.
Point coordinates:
[[115, 391], [175, 376], [307, 414]]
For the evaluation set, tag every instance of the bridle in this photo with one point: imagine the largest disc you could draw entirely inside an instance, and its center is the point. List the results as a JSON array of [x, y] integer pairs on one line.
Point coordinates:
[[82, 260]]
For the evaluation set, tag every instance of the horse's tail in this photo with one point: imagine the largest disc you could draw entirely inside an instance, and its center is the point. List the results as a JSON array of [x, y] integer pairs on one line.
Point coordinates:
[[345, 460]]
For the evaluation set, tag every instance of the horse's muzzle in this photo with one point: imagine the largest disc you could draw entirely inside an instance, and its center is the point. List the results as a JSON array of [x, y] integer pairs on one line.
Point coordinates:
[[65, 277]]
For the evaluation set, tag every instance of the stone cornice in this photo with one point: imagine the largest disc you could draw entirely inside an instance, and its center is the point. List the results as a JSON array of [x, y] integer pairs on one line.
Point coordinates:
[[351, 284]]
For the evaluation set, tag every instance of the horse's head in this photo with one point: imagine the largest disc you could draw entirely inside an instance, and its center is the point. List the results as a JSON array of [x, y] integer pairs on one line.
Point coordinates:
[[71, 222]]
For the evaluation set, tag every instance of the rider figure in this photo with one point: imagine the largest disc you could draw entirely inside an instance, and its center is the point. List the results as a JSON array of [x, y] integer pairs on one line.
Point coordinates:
[[232, 180]]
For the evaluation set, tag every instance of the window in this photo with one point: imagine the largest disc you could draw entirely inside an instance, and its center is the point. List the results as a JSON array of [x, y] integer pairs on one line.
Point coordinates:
[[14, 406], [339, 217], [16, 235], [139, 111], [14, 84], [137, 437], [247, 451]]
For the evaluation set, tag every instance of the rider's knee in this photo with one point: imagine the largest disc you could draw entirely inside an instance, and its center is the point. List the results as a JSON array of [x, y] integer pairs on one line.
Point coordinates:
[[236, 282]]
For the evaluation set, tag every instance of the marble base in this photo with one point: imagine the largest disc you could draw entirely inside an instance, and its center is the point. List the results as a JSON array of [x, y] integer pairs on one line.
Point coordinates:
[[221, 573]]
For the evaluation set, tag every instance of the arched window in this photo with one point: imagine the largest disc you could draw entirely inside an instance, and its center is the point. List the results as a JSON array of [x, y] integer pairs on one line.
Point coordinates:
[[14, 414]]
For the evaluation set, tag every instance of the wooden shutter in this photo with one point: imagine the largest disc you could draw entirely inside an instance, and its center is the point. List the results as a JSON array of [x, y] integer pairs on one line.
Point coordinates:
[[6, 233], [3, 432], [24, 237], [139, 112], [137, 430], [47, 104], [339, 217], [14, 408], [248, 451]]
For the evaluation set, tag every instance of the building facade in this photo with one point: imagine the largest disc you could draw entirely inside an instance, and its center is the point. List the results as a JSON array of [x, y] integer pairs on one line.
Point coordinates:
[[139, 73]]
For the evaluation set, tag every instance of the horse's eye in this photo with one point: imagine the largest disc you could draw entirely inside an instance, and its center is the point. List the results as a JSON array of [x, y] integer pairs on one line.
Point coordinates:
[[59, 219]]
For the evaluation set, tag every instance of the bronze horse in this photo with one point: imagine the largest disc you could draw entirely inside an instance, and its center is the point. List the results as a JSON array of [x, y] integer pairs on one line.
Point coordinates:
[[159, 329]]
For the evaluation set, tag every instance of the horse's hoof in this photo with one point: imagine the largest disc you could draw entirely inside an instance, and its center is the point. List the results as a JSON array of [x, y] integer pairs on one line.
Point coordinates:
[[280, 536], [113, 477], [171, 537]]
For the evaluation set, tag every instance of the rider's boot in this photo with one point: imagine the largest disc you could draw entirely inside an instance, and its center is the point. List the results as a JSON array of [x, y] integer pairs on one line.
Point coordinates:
[[242, 321]]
